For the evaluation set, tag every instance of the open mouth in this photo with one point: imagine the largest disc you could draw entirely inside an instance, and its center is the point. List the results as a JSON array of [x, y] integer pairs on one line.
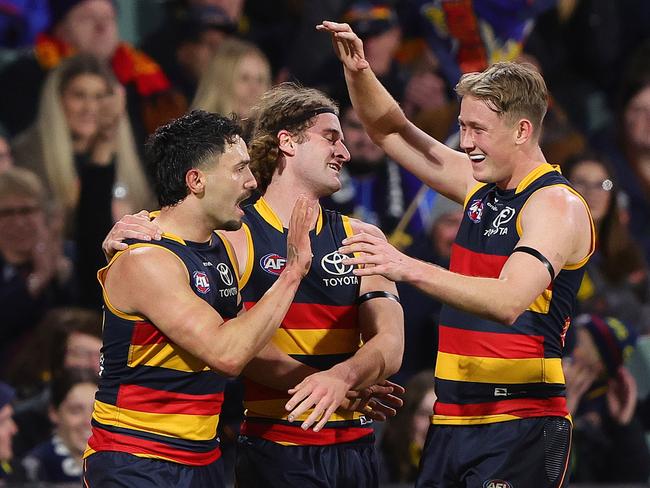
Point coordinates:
[[476, 158], [335, 167]]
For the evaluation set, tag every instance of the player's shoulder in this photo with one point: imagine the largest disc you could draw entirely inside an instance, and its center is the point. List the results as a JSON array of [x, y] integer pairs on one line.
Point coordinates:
[[359, 227]]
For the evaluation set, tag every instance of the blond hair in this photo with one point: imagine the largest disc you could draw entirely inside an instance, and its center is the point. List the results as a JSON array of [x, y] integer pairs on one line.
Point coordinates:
[[289, 107], [56, 139], [512, 90], [21, 182], [217, 85]]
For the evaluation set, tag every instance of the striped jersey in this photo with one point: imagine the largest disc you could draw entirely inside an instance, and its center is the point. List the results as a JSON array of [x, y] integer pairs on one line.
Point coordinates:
[[491, 372], [320, 328], [155, 399]]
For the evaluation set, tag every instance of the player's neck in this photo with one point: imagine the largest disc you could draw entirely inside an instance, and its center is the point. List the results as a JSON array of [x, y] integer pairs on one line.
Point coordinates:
[[281, 199], [529, 161], [185, 223]]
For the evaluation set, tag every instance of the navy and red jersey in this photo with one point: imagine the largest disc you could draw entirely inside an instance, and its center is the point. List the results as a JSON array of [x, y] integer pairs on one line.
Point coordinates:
[[491, 372], [320, 329], [155, 399]]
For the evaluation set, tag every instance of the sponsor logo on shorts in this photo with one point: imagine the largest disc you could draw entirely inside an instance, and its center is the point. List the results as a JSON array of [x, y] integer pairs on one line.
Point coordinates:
[[273, 263], [496, 484], [201, 282]]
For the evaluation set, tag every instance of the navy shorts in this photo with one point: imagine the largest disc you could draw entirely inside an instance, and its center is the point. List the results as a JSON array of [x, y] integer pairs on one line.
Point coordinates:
[[530, 453], [109, 469], [266, 464]]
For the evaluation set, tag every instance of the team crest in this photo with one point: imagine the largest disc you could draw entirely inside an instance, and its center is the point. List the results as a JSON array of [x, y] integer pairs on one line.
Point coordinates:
[[273, 263], [201, 282], [475, 211]]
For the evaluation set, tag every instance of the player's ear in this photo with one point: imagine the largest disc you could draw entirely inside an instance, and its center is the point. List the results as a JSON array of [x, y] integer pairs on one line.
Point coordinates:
[[524, 131], [195, 181], [286, 143]]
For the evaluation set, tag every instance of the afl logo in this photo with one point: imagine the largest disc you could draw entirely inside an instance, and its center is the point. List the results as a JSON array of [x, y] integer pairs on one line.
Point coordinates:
[[332, 263], [496, 484], [273, 263], [475, 211], [224, 272], [201, 282]]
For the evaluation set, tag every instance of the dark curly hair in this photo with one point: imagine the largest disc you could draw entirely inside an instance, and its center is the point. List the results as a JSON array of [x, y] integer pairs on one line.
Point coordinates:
[[187, 142], [287, 106]]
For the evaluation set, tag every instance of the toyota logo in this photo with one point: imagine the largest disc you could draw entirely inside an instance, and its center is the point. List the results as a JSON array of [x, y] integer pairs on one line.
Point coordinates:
[[226, 275], [332, 263]]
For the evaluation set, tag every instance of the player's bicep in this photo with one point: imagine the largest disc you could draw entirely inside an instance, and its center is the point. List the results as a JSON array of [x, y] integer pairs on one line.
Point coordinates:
[[379, 310], [153, 283]]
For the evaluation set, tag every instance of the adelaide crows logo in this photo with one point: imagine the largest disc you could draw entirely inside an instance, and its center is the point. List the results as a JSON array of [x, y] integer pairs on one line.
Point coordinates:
[[475, 211]]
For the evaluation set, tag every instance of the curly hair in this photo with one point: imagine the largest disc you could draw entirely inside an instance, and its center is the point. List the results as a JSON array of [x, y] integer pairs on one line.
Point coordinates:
[[289, 107]]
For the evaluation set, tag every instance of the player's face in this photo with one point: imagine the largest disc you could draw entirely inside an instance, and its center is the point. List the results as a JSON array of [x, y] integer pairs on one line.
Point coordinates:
[[229, 183], [7, 431], [72, 418], [320, 157], [488, 139]]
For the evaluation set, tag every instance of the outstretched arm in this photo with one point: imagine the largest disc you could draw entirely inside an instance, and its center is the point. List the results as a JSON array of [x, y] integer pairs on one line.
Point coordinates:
[[555, 222], [445, 170]]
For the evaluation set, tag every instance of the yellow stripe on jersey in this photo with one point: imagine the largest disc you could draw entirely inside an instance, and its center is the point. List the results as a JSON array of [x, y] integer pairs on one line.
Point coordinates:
[[485, 419], [542, 303], [472, 192], [165, 355], [317, 341], [496, 370], [190, 427], [274, 409], [538, 172], [249, 258]]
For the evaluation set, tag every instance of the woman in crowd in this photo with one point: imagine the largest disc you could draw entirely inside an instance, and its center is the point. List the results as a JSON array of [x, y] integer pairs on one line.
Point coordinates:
[[236, 77]]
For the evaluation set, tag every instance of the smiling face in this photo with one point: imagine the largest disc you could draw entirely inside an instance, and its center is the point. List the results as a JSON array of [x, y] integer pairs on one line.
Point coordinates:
[[228, 182], [321, 155], [81, 99], [72, 417], [489, 141], [252, 77]]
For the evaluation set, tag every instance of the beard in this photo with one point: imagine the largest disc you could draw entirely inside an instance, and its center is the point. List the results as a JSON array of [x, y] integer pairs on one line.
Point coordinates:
[[231, 225]]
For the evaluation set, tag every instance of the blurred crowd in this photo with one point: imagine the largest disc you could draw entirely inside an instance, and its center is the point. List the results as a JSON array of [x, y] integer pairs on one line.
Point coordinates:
[[77, 103]]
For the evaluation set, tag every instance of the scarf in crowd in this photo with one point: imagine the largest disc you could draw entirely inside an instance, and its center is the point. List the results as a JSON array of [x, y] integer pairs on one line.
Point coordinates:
[[130, 65]]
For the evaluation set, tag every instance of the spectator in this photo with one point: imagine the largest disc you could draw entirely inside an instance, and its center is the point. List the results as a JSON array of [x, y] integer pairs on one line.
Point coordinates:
[[616, 277], [404, 434], [59, 459], [87, 27], [186, 42], [609, 443], [35, 275], [235, 79], [8, 430], [82, 147], [66, 338]]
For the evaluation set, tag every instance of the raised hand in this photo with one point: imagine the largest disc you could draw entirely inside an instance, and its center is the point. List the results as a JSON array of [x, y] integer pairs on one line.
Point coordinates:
[[138, 226], [622, 395], [298, 242], [347, 45]]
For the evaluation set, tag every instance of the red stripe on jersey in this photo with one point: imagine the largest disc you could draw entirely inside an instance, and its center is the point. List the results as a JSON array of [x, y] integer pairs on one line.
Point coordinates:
[[470, 263], [317, 316], [295, 435], [103, 440], [489, 344], [519, 407], [144, 399], [145, 333]]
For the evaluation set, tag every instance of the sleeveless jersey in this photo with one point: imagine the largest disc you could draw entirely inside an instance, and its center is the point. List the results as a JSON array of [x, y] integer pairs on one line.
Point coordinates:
[[491, 372], [320, 328], [155, 399]]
